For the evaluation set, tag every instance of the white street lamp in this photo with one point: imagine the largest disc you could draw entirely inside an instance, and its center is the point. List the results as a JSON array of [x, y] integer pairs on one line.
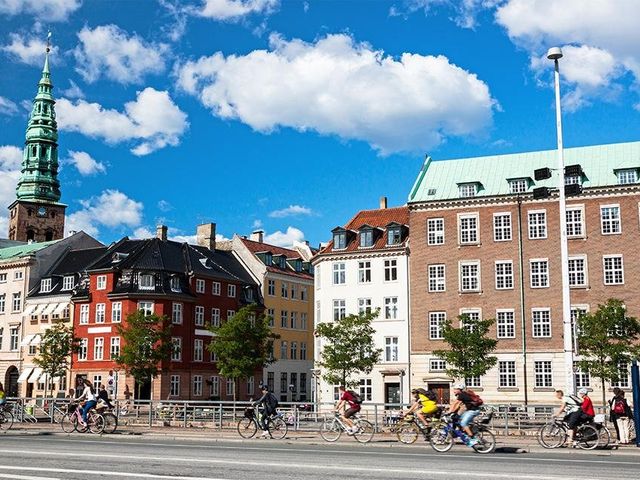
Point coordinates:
[[555, 54]]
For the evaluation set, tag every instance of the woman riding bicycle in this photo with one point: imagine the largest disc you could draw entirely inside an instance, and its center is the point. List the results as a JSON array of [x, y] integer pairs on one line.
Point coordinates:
[[90, 398], [424, 405]]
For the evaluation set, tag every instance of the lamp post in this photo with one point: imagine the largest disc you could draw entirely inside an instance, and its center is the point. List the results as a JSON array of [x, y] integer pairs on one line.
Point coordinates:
[[555, 54]]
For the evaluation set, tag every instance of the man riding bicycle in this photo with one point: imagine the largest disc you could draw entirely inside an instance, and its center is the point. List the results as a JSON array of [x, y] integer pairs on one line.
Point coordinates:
[[347, 398], [471, 410], [269, 404], [423, 405], [575, 411]]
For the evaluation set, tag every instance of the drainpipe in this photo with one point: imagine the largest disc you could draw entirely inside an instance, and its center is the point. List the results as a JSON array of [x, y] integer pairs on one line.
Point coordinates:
[[523, 323]]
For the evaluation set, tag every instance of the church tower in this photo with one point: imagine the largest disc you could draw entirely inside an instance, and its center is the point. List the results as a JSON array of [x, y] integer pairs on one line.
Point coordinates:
[[36, 214]]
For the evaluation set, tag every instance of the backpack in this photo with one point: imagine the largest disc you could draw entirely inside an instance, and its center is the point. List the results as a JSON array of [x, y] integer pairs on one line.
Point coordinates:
[[356, 397], [476, 401], [619, 407], [272, 401], [430, 394]]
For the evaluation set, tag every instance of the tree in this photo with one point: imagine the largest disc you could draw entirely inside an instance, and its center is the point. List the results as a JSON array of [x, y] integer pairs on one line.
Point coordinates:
[[56, 347], [348, 348], [606, 339], [469, 353], [242, 344], [146, 344]]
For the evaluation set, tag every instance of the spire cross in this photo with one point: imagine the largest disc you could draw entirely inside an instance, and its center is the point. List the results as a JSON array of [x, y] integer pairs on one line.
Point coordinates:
[[48, 42]]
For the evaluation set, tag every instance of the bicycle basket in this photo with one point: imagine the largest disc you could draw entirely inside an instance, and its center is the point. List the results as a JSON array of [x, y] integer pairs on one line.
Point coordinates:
[[248, 412], [71, 408], [486, 419]]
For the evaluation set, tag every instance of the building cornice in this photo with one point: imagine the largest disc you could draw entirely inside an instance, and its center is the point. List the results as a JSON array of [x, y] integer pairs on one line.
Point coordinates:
[[355, 254]]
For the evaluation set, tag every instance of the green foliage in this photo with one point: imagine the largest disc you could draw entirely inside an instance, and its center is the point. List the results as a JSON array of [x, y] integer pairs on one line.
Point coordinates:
[[607, 338], [146, 344], [56, 347], [242, 344], [469, 353], [348, 348]]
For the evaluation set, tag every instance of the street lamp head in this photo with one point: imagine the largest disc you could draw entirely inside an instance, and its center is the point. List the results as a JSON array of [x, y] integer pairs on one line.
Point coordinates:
[[554, 53]]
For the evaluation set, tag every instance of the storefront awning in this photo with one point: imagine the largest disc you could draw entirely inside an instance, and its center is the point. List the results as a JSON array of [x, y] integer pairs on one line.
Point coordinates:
[[36, 340], [60, 308], [26, 340], [49, 309], [25, 374], [38, 309], [29, 310], [35, 376]]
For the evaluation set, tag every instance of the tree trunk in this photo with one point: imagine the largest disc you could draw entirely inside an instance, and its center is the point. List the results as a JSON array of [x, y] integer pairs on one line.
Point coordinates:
[[604, 395]]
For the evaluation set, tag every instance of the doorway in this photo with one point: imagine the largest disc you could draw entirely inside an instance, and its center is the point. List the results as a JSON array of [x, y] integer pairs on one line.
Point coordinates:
[[391, 395], [11, 382], [143, 390], [442, 391]]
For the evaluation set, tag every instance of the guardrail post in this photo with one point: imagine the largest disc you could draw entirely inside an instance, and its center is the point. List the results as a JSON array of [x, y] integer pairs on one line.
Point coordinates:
[[506, 421], [150, 413], [184, 412], [375, 416]]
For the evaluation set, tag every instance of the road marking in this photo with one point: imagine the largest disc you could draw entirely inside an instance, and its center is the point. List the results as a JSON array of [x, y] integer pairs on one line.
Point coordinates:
[[101, 473], [26, 477]]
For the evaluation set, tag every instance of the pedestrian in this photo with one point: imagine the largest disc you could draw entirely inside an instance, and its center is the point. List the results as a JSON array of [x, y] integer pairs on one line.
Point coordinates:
[[620, 415], [3, 396], [104, 396]]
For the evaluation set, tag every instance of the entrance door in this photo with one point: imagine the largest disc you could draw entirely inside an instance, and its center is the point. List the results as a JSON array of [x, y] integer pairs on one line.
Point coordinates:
[[442, 392], [391, 395], [143, 390], [11, 382]]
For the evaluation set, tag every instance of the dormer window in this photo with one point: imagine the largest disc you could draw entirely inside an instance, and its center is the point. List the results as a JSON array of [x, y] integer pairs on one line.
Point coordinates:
[[68, 282], [518, 185], [627, 176], [394, 235], [339, 239], [572, 180], [146, 281], [297, 264], [175, 284], [366, 238], [268, 259], [45, 285], [283, 262], [467, 190], [249, 294]]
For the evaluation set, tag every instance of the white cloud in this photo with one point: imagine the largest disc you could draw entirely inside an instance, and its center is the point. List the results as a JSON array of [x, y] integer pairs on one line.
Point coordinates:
[[285, 239], [10, 163], [74, 91], [464, 11], [142, 233], [290, 211], [340, 87], [7, 107], [111, 209], [108, 50], [28, 50], [51, 10], [257, 223], [153, 121], [235, 9], [85, 164], [164, 206]]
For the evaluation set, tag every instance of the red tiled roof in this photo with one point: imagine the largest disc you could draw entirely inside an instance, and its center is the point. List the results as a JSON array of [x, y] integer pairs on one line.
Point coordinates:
[[258, 247]]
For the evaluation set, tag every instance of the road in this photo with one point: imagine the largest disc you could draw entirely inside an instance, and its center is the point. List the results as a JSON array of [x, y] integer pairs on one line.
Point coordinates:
[[40, 457]]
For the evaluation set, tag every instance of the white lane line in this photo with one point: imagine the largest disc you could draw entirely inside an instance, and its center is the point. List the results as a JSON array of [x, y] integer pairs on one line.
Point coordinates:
[[289, 465], [99, 473], [26, 477]]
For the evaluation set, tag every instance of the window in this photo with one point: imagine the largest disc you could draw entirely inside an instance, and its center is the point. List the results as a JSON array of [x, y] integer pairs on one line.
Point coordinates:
[[543, 373], [294, 351], [364, 305], [390, 270], [100, 317], [116, 312], [174, 390], [572, 179], [251, 385], [303, 350], [16, 302], [623, 376], [473, 382], [197, 350], [575, 222], [436, 320], [3, 277], [502, 227], [613, 269], [507, 374], [13, 338], [176, 351], [146, 281], [366, 389], [610, 219], [466, 190], [339, 273], [468, 229], [541, 322], [283, 350], [391, 349], [339, 240], [215, 288], [174, 284], [303, 293], [284, 319], [627, 176], [539, 271], [506, 323], [2, 302], [82, 352], [470, 314], [303, 321], [215, 317], [176, 314], [470, 276], [518, 185], [537, 224], [214, 387], [97, 380], [437, 282], [283, 382], [437, 365], [364, 272], [199, 318], [84, 314], [271, 313], [504, 274], [230, 314], [115, 347], [583, 379], [98, 348], [294, 320], [197, 385], [101, 282], [391, 308], [578, 271], [45, 285], [435, 231], [339, 310], [271, 288], [18, 275], [394, 235], [200, 285], [231, 291], [366, 238]]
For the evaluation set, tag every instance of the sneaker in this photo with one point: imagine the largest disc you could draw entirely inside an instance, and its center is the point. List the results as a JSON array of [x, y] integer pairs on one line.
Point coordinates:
[[574, 444], [265, 433], [350, 431], [472, 442]]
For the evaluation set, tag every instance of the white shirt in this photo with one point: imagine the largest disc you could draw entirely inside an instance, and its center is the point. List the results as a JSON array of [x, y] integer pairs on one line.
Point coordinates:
[[87, 394]]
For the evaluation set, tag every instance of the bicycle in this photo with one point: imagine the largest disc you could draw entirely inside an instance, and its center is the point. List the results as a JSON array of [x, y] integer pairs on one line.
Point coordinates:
[[6, 417], [110, 419], [442, 437], [72, 421], [409, 428], [555, 434], [249, 424], [331, 429]]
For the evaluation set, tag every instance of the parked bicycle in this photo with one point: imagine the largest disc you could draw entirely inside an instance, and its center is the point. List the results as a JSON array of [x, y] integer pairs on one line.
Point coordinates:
[[409, 428], [442, 437], [248, 425], [6, 417], [331, 429], [556, 433], [72, 421]]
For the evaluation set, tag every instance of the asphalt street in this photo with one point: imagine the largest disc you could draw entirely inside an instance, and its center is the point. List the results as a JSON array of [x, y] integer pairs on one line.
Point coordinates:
[[39, 457]]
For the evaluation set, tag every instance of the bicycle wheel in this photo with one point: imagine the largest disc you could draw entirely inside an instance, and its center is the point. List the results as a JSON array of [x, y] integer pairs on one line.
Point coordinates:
[[407, 433], [247, 427], [587, 437], [110, 422], [6, 420], [68, 423], [364, 432], [441, 440], [277, 428], [330, 430], [486, 442], [96, 423], [604, 436], [57, 415], [551, 435]]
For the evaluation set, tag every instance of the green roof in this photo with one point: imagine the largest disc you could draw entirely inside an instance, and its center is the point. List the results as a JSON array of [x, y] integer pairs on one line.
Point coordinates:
[[439, 180], [23, 250]]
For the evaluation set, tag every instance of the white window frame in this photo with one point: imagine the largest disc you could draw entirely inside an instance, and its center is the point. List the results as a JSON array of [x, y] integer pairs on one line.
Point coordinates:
[[540, 274], [391, 309], [214, 388], [197, 385], [45, 285], [518, 185], [610, 225], [143, 281], [537, 224], [177, 313], [541, 324], [435, 231], [215, 288], [462, 265], [391, 270], [101, 282], [575, 229], [437, 365], [174, 388], [437, 281], [83, 349], [215, 317], [391, 349], [116, 312], [502, 230], [147, 306], [613, 270], [468, 234], [98, 348], [507, 374], [467, 190], [84, 314], [114, 347], [503, 276], [198, 320], [575, 273], [364, 305], [200, 285], [198, 350], [436, 321], [174, 284], [100, 313], [505, 323], [339, 273], [339, 309], [364, 271], [543, 373], [627, 176], [231, 290]]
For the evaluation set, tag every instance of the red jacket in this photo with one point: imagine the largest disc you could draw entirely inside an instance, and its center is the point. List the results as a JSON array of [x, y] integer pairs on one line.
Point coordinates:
[[587, 406]]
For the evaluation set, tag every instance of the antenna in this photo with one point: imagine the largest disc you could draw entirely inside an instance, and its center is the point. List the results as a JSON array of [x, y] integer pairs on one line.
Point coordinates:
[[49, 42]]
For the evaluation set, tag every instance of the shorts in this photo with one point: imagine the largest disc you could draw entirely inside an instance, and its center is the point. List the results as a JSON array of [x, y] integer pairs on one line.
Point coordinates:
[[430, 410], [467, 417], [577, 418], [351, 412]]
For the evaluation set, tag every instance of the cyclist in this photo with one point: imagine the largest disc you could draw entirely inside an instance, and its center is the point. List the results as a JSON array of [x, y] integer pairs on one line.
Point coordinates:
[[269, 404], [570, 411], [471, 410], [423, 405], [90, 400], [3, 396], [347, 398]]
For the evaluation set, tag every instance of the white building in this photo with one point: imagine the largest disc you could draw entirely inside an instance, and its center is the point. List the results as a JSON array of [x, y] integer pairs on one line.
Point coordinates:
[[366, 266]]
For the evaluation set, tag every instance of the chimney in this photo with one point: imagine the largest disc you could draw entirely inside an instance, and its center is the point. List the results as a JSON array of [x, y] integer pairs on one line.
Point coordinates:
[[206, 235], [257, 236], [161, 232], [383, 203]]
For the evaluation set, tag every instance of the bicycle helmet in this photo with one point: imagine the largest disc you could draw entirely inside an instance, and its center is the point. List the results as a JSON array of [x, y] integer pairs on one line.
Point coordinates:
[[459, 386], [583, 391]]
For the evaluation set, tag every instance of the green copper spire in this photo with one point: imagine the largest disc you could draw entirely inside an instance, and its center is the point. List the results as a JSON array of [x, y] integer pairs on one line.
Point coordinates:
[[39, 179]]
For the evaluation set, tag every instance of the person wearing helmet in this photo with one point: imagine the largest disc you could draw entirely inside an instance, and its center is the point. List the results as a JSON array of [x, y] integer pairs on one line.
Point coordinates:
[[587, 405], [423, 404], [471, 409]]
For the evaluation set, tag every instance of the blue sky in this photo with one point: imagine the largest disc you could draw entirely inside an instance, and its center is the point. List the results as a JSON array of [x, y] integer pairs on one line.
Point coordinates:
[[290, 115]]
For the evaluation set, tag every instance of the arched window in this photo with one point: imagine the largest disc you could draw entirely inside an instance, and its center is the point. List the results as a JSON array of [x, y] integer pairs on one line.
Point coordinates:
[[31, 235], [48, 236]]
